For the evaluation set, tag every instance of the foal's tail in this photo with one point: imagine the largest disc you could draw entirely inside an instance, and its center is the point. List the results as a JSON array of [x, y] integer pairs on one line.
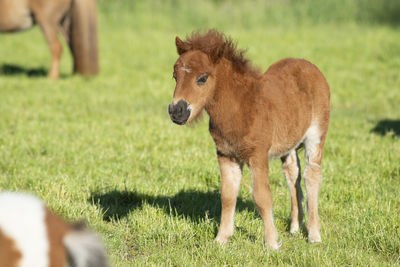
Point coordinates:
[[82, 36]]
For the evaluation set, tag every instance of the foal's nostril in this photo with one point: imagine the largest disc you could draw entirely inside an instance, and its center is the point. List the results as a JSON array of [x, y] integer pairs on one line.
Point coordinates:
[[170, 109]]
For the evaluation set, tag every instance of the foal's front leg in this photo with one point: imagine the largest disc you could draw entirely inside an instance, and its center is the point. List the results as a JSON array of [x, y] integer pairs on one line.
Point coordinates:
[[263, 199], [231, 174]]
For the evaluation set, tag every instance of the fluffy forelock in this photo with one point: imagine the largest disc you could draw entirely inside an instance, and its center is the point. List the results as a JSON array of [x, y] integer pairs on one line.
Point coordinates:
[[213, 40]]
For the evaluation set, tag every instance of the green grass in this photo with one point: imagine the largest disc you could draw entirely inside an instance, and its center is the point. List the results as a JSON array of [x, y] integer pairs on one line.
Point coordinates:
[[104, 149]]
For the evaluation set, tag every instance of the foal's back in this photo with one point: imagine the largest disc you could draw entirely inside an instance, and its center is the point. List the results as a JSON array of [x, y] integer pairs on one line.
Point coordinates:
[[296, 96]]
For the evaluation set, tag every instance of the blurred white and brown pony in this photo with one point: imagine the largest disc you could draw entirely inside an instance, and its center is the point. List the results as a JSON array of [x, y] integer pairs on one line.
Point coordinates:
[[32, 236]]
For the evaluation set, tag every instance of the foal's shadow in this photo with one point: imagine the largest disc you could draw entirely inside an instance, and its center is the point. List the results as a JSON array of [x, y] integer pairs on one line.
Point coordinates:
[[191, 204], [384, 127], [10, 70]]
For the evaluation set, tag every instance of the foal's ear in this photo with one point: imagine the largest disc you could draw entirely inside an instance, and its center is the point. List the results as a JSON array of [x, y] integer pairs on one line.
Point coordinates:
[[216, 54], [181, 46]]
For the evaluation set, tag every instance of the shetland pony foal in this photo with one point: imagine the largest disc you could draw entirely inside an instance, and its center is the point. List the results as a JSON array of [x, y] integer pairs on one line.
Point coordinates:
[[255, 117]]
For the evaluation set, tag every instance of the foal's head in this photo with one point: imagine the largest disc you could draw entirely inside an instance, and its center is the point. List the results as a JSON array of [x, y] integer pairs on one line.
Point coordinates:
[[195, 72]]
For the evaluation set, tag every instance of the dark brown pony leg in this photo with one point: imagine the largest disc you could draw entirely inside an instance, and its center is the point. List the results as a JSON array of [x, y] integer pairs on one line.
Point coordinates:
[[50, 32]]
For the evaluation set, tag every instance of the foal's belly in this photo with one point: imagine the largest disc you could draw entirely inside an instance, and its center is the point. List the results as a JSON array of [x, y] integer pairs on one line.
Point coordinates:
[[284, 143], [15, 15], [282, 150]]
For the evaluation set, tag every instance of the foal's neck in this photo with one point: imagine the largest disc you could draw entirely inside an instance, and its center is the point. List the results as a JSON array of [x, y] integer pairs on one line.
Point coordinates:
[[233, 91]]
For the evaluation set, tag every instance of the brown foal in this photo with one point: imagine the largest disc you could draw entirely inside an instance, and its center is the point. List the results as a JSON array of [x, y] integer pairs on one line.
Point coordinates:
[[255, 117]]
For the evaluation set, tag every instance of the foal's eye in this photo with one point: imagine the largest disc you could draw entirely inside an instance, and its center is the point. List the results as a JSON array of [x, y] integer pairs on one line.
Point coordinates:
[[202, 80]]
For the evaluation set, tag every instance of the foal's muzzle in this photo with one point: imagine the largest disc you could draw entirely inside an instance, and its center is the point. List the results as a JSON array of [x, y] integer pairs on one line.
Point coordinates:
[[179, 112]]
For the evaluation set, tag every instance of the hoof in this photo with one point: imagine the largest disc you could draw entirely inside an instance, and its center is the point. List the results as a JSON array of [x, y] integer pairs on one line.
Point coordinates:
[[274, 245], [53, 76], [221, 240], [314, 237], [294, 228]]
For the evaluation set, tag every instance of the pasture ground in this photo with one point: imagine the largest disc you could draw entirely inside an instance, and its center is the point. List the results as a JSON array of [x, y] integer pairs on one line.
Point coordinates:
[[104, 149]]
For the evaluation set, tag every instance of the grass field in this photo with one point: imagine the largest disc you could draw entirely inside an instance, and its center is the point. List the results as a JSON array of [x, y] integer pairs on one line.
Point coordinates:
[[104, 149]]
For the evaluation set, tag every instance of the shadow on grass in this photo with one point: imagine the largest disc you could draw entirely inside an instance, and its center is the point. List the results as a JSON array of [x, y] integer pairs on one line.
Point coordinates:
[[384, 127], [9, 69], [190, 204]]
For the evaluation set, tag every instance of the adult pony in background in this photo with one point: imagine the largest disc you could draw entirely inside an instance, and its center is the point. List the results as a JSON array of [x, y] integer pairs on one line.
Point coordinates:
[[75, 19]]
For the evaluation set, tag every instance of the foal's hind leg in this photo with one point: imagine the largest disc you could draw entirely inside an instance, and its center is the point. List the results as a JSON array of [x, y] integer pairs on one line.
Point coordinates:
[[291, 170], [314, 145]]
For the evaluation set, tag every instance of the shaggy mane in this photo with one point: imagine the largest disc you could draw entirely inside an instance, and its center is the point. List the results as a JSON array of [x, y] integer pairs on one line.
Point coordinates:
[[212, 40]]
